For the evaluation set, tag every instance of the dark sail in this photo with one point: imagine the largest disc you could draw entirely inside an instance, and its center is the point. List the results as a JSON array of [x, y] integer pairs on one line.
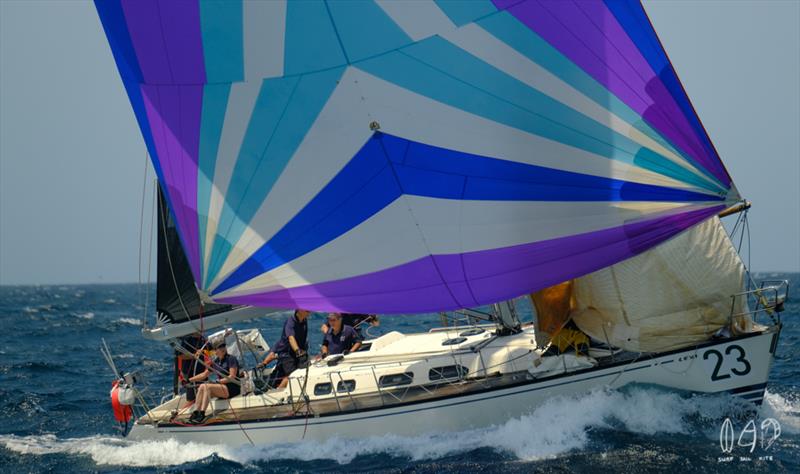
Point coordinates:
[[177, 299]]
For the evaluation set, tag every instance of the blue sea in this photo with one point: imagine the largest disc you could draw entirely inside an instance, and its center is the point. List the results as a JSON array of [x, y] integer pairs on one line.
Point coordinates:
[[55, 414]]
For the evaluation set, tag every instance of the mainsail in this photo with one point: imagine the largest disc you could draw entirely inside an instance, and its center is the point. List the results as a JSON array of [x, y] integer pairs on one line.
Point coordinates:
[[386, 156], [177, 300]]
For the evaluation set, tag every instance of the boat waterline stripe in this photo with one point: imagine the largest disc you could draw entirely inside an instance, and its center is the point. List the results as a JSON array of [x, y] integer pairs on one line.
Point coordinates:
[[752, 396], [749, 388], [758, 392]]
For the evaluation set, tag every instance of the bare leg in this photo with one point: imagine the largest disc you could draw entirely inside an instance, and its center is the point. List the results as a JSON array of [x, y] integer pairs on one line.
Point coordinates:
[[216, 390], [201, 402], [284, 382]]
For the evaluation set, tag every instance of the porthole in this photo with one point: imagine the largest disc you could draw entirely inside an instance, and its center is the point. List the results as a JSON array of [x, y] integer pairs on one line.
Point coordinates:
[[447, 372], [346, 386], [395, 380], [322, 388]]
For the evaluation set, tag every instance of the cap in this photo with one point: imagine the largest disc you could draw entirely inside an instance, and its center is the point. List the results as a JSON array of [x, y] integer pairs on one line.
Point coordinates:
[[219, 344]]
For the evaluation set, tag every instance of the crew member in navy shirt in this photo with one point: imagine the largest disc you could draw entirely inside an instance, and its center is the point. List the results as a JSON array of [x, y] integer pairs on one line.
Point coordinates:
[[340, 338], [226, 369], [356, 321], [291, 350]]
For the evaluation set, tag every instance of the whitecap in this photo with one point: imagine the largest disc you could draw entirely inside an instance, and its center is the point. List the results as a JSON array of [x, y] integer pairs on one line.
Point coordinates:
[[131, 321], [785, 409], [105, 450]]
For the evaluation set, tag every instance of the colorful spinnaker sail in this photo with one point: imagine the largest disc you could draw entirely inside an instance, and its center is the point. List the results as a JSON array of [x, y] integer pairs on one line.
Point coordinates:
[[395, 157]]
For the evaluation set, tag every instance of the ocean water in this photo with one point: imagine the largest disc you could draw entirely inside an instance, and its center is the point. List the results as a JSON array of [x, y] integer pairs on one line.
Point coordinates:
[[55, 414]]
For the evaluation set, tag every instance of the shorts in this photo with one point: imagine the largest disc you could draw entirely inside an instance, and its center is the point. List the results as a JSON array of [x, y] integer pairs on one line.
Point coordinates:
[[285, 366], [233, 389]]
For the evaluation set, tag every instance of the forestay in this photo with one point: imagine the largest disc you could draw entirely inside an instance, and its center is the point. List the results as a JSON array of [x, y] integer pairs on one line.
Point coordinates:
[[382, 156]]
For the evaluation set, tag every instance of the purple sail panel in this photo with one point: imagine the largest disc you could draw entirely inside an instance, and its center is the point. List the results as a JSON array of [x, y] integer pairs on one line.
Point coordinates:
[[167, 41], [591, 37], [489, 276]]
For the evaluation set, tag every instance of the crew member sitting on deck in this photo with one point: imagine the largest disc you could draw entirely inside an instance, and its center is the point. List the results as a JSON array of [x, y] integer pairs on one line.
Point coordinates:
[[291, 349], [226, 368], [340, 338], [355, 321]]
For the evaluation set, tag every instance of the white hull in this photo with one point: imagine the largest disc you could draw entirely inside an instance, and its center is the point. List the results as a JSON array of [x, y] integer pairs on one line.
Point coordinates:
[[739, 366]]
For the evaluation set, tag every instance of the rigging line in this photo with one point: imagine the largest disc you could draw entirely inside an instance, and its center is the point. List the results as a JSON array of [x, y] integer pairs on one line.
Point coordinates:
[[151, 231], [749, 253], [736, 225], [161, 206], [141, 230]]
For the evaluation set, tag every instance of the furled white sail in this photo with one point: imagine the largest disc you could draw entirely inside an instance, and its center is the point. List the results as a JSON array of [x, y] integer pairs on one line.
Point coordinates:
[[673, 295]]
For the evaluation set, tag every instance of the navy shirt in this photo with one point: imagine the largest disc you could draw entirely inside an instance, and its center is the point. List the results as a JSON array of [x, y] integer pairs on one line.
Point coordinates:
[[354, 319], [224, 366], [338, 343], [292, 327]]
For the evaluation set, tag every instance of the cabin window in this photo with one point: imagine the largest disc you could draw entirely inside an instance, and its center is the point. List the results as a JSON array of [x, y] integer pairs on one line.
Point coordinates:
[[322, 388], [346, 386], [447, 372], [395, 380], [472, 332], [453, 341]]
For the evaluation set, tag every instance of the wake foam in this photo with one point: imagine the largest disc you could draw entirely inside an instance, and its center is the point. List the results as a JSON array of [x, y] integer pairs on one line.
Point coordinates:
[[558, 426]]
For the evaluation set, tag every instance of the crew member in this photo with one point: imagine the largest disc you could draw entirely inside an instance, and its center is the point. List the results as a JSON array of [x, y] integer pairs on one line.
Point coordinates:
[[190, 362], [356, 321], [291, 351], [226, 369], [340, 338]]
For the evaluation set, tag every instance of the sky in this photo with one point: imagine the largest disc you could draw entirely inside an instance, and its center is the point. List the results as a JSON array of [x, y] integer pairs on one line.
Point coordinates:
[[72, 160]]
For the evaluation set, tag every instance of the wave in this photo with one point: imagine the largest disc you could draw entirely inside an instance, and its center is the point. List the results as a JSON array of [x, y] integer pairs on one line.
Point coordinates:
[[131, 321], [559, 426]]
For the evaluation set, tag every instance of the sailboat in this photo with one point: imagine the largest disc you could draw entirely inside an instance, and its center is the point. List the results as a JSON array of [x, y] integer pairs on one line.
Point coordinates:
[[397, 158]]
